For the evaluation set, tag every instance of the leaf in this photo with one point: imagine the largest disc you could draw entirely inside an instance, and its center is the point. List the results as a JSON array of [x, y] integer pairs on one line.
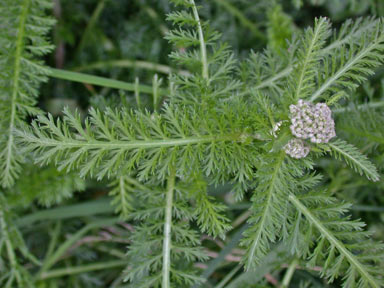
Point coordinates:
[[21, 73], [353, 157], [309, 57], [341, 242]]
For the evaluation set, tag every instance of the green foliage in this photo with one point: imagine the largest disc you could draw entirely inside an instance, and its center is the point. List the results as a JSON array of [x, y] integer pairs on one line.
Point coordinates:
[[354, 63], [46, 185], [341, 247], [309, 56], [23, 43], [149, 142], [155, 248], [280, 28], [352, 156]]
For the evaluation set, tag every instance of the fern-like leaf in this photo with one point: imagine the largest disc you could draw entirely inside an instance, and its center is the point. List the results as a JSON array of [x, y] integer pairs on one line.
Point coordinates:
[[352, 64], [341, 247], [148, 142], [352, 156], [23, 42], [309, 57]]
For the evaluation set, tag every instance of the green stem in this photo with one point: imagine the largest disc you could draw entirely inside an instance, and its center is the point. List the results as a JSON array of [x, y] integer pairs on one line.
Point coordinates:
[[141, 144], [155, 93], [100, 81], [137, 93], [91, 208], [229, 276], [82, 269], [50, 261], [288, 275], [167, 230], [126, 63], [203, 48], [54, 235]]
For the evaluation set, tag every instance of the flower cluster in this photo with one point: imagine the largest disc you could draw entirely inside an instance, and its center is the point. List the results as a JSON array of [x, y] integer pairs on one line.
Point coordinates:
[[312, 122], [296, 148]]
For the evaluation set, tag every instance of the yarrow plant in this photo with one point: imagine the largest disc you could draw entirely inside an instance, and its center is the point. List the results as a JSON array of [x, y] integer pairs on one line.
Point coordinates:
[[222, 130]]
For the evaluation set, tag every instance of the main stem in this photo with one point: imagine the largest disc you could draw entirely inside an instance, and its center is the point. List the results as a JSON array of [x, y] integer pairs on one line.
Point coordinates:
[[203, 48], [167, 230]]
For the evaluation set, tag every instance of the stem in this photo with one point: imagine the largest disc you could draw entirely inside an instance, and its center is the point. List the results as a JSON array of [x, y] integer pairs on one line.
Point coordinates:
[[137, 93], [100, 81], [54, 238], [61, 250], [82, 269], [167, 231], [288, 275], [155, 89], [91, 208], [229, 276], [127, 63], [203, 48], [95, 144]]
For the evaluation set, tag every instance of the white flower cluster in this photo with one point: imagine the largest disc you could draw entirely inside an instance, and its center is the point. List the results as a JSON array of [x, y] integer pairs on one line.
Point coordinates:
[[296, 148], [312, 122]]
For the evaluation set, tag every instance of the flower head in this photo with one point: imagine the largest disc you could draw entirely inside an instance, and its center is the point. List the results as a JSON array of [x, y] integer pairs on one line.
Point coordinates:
[[296, 148], [314, 122]]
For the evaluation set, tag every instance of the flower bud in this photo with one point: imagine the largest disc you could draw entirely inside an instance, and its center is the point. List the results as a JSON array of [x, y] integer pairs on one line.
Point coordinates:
[[296, 148]]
